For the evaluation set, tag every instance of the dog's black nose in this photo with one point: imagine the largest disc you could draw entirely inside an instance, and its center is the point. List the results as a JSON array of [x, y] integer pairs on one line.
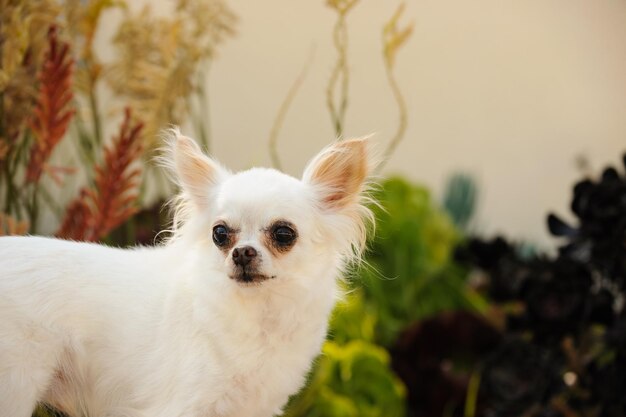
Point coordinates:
[[244, 255]]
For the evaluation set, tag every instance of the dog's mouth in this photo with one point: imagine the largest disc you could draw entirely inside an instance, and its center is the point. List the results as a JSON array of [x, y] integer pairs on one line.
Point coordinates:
[[247, 276]]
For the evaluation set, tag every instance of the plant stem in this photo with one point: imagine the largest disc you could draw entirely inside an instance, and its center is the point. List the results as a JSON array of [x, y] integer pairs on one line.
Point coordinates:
[[95, 114], [343, 104], [338, 112], [402, 117], [33, 209], [204, 123], [11, 165], [6, 162], [284, 107], [472, 395], [9, 188]]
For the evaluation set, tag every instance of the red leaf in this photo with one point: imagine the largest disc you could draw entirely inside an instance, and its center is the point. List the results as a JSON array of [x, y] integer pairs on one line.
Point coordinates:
[[52, 114], [111, 201]]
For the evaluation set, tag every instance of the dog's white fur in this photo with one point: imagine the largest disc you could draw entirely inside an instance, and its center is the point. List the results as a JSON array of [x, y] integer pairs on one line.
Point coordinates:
[[165, 332]]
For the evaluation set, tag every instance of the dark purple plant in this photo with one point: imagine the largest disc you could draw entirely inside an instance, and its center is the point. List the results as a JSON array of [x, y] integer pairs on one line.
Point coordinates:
[[562, 348]]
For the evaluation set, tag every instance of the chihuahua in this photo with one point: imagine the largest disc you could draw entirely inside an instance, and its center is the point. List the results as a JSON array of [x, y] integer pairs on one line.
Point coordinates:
[[222, 320]]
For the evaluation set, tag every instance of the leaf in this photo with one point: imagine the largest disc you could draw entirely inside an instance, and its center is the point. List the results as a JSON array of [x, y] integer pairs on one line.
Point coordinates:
[[351, 380], [559, 228]]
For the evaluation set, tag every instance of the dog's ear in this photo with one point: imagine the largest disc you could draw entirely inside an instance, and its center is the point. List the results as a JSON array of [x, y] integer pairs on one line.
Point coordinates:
[[196, 172], [340, 172]]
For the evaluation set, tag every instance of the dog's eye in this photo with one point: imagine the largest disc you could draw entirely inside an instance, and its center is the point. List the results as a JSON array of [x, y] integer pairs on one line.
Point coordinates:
[[284, 235], [220, 235]]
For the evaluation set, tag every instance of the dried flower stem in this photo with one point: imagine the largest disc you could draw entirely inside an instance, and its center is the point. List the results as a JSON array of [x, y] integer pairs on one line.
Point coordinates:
[[340, 74], [10, 166], [32, 206], [115, 181], [159, 58], [10, 191], [393, 39], [52, 112], [203, 115], [402, 117], [284, 108], [99, 209], [95, 113]]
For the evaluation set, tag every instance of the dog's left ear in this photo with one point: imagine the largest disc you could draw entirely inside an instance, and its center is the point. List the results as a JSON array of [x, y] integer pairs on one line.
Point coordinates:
[[196, 172], [340, 172]]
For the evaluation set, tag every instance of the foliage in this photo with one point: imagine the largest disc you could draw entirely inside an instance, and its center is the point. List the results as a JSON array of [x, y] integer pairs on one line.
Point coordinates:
[[559, 348], [99, 209], [350, 380], [459, 200], [50, 78], [353, 319], [50, 82], [410, 272], [414, 243], [52, 114], [435, 359], [157, 65], [29, 144], [43, 411], [23, 45]]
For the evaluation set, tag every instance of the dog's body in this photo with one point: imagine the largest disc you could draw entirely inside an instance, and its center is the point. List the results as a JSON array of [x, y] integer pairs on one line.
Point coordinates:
[[209, 325]]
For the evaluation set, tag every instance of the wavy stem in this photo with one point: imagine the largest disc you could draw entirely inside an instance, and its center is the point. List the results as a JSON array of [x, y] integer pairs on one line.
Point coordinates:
[[203, 124], [338, 106], [402, 117], [284, 108]]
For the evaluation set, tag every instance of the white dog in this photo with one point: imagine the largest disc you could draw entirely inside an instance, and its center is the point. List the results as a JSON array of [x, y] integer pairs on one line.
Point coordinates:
[[222, 321]]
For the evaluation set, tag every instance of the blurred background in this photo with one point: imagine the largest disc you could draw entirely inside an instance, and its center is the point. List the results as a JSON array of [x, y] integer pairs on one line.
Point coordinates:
[[495, 282]]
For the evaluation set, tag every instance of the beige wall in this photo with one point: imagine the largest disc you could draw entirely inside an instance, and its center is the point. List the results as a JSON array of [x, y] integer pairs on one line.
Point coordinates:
[[509, 91]]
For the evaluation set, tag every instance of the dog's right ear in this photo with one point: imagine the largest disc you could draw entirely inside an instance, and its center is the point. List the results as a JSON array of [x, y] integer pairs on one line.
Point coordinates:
[[196, 172]]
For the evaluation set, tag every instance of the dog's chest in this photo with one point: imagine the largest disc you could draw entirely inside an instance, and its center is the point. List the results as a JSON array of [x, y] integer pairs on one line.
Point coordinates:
[[262, 366]]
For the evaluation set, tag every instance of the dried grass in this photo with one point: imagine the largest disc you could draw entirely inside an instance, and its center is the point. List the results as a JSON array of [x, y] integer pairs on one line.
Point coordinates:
[[53, 112], [112, 199]]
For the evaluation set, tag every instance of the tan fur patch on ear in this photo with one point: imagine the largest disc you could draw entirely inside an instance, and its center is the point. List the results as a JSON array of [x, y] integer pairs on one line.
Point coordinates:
[[341, 170], [196, 171]]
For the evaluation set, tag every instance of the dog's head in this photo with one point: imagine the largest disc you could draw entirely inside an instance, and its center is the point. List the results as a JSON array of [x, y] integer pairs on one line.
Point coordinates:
[[261, 225]]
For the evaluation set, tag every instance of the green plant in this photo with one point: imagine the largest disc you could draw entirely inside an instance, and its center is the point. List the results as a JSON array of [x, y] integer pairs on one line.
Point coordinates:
[[563, 349], [459, 199], [410, 272], [351, 380], [353, 319]]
